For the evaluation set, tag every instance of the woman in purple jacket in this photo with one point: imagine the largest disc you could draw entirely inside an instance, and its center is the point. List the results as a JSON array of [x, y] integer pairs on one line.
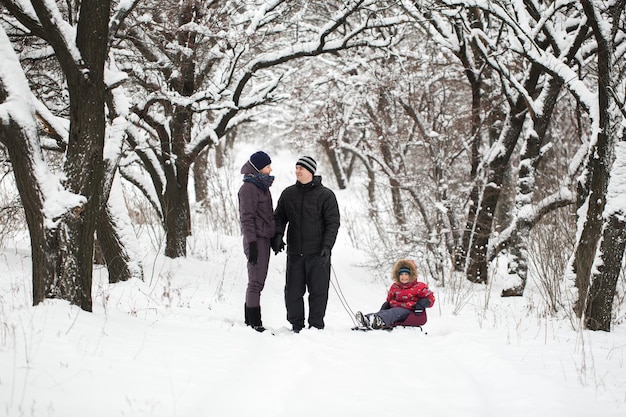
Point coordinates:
[[256, 214]]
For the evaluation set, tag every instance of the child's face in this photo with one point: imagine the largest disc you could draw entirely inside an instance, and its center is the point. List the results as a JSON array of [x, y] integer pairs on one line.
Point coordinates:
[[404, 278]]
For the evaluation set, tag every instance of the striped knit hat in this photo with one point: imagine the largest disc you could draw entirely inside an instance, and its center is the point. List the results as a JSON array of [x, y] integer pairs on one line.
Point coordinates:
[[308, 163]]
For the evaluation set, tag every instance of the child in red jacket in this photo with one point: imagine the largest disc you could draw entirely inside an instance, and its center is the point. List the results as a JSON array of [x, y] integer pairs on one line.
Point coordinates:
[[406, 295]]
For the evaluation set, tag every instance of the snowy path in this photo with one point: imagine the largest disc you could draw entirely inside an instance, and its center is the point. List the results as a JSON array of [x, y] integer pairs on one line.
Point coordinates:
[[135, 356], [184, 366]]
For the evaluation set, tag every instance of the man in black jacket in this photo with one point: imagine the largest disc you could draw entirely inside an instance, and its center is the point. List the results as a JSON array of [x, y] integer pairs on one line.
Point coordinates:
[[312, 213]]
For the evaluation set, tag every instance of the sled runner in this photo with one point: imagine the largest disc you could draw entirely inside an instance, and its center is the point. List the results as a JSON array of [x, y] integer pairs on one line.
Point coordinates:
[[366, 329]]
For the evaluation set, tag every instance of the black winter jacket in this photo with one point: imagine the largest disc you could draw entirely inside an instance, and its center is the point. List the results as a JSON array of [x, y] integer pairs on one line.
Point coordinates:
[[312, 212]]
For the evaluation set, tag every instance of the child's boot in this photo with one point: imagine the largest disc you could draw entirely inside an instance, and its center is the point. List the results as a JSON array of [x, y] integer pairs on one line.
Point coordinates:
[[362, 320], [377, 322]]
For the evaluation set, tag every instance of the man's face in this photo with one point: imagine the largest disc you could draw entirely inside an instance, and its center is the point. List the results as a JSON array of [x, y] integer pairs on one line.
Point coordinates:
[[303, 175], [267, 169]]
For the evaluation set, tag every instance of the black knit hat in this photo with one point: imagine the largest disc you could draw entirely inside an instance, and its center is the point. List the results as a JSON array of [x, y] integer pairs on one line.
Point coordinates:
[[260, 160], [404, 270], [308, 163]]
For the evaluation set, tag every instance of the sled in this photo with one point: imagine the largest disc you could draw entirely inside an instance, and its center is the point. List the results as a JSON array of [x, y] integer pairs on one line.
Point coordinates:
[[414, 320]]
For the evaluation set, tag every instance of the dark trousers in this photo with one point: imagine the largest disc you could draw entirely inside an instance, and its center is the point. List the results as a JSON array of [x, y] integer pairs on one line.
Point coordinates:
[[312, 273], [393, 315], [257, 273]]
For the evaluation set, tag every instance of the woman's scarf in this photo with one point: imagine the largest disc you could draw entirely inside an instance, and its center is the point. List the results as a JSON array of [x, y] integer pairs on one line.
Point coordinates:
[[264, 182]]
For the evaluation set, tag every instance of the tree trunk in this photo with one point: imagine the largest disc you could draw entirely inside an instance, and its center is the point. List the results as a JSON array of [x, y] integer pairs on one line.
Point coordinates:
[[604, 280], [529, 160], [397, 200], [518, 243], [480, 228], [55, 247], [224, 147], [25, 155], [62, 247], [176, 210], [70, 244], [200, 167], [485, 195], [597, 271], [177, 224], [335, 162], [476, 270], [117, 240], [475, 82], [84, 165]]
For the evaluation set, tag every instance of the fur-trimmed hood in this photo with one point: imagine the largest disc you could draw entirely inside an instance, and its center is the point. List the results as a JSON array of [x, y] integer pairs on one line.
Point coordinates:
[[404, 263]]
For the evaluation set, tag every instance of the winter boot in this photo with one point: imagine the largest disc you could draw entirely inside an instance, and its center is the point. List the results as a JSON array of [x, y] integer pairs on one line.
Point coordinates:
[[377, 322], [254, 318], [245, 314], [362, 320]]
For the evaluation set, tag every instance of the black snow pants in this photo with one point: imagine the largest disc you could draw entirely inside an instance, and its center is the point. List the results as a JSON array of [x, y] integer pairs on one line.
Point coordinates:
[[312, 273]]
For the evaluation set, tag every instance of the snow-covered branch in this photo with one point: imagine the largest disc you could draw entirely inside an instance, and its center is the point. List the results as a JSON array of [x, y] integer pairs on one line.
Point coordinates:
[[122, 10], [18, 131], [61, 36]]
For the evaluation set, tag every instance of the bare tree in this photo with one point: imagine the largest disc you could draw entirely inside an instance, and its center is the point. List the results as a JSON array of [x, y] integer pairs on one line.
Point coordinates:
[[541, 45], [600, 249], [62, 214], [203, 67]]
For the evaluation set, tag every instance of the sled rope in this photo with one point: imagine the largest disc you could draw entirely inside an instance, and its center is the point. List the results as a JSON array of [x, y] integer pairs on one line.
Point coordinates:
[[342, 298]]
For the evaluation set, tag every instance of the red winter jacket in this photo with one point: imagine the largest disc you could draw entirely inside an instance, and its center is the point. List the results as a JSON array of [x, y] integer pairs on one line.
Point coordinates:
[[406, 295]]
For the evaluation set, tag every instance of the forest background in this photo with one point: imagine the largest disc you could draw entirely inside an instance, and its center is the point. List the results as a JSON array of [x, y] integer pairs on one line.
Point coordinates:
[[477, 132]]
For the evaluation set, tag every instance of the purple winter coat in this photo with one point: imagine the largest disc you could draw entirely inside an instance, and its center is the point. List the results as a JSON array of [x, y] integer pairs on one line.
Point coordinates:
[[256, 210]]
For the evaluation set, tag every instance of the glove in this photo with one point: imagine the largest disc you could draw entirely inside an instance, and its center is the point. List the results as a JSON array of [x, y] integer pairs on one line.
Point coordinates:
[[277, 244], [385, 306], [325, 255], [253, 253], [421, 305]]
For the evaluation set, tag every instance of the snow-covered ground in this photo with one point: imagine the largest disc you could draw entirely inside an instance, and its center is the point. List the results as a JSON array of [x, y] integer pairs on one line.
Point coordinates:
[[175, 345]]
